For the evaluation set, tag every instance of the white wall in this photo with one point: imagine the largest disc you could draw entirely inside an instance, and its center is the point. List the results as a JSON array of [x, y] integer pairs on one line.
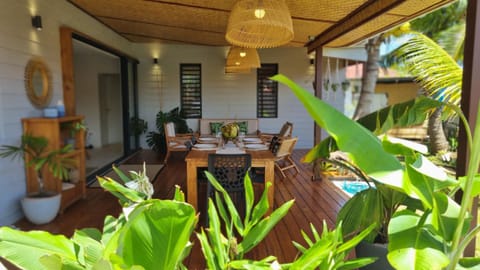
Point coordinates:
[[18, 43], [223, 95]]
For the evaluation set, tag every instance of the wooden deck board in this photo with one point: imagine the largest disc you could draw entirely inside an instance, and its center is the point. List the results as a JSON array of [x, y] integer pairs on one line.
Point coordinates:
[[315, 201]]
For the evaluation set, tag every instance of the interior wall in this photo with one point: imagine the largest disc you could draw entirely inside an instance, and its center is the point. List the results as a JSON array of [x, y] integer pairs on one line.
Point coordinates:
[[18, 43], [223, 95], [87, 69]]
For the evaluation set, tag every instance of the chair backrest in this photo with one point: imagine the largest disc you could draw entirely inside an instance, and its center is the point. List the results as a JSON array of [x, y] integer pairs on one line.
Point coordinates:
[[230, 171], [169, 129], [286, 130], [286, 147]]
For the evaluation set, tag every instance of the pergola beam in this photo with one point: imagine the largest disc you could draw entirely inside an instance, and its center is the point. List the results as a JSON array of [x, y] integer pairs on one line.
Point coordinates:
[[361, 15]]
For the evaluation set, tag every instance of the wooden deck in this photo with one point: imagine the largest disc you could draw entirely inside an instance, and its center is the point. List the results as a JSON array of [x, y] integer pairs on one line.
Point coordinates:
[[315, 201]]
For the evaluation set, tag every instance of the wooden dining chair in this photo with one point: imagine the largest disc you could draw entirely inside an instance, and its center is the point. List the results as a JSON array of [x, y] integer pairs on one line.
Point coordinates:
[[284, 133], [230, 170], [283, 159], [175, 142]]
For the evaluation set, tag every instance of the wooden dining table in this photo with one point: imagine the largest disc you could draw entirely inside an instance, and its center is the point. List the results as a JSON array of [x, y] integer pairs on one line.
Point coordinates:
[[199, 159]]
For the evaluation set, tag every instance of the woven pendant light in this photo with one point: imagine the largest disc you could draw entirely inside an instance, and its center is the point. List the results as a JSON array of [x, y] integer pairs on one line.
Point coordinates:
[[234, 69], [242, 58], [259, 24]]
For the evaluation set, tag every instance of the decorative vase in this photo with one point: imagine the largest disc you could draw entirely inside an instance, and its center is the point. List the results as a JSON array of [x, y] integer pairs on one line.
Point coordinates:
[[41, 209]]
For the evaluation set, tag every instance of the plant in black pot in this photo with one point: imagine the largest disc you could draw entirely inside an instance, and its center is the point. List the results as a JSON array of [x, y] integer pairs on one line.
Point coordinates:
[[42, 206], [156, 139]]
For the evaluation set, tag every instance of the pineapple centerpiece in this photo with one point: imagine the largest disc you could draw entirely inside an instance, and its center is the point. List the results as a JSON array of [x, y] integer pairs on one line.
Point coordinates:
[[229, 131]]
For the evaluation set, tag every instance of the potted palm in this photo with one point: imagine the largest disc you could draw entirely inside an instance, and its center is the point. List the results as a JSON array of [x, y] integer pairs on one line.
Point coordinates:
[[40, 207]]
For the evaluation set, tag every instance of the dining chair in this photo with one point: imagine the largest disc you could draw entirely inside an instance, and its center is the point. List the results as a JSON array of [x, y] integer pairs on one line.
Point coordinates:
[[175, 142], [283, 159], [284, 133], [230, 170]]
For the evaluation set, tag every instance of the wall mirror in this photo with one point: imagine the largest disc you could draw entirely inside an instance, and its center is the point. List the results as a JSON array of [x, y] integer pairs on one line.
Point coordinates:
[[38, 82]]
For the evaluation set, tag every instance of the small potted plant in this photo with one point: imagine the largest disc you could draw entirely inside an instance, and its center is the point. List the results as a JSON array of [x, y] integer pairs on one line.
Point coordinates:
[[73, 128], [42, 206]]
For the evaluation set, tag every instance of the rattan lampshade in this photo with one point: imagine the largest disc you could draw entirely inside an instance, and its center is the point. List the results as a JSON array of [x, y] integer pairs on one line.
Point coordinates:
[[234, 69], [259, 24], [242, 58]]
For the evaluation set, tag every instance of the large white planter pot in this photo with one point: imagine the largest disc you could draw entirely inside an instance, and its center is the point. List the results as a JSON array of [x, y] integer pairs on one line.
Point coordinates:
[[41, 210]]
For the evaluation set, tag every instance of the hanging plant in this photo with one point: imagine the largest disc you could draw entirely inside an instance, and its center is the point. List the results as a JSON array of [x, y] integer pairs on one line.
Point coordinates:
[[335, 87], [345, 85], [326, 84]]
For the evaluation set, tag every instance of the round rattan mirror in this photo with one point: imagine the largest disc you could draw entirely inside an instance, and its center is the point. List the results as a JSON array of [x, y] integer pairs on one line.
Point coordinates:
[[38, 82]]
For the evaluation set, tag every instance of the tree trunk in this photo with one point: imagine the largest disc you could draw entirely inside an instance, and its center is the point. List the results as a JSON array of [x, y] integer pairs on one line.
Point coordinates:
[[369, 79], [438, 140]]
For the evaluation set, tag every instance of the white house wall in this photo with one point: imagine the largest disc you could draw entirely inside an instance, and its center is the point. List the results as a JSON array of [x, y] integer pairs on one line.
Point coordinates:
[[223, 95], [19, 41]]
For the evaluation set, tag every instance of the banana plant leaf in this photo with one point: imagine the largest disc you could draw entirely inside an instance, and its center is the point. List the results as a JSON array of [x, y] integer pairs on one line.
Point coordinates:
[[24, 249], [350, 137], [411, 246], [170, 222], [412, 112]]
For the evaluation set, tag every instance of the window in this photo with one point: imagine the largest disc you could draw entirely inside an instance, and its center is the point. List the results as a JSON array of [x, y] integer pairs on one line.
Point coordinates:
[[267, 91], [191, 90]]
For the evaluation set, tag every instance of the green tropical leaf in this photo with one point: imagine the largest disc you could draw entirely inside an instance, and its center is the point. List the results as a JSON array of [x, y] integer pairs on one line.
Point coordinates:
[[412, 112], [249, 197], [260, 231], [179, 196], [24, 249], [170, 222], [126, 195], [380, 165], [90, 250], [360, 211], [237, 222], [207, 251], [412, 246], [215, 235], [445, 216]]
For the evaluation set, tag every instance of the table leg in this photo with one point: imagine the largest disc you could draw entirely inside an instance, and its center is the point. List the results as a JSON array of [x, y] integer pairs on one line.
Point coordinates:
[[192, 184], [269, 177]]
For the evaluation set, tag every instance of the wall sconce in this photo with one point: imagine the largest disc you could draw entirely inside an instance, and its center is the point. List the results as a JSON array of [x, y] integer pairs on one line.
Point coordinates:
[[155, 61], [312, 61], [37, 22]]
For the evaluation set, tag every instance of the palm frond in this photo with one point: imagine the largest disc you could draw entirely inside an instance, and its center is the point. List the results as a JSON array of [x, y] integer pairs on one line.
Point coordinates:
[[433, 68], [452, 40]]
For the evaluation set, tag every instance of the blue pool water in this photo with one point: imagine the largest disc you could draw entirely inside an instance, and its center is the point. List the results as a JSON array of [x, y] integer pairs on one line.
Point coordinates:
[[351, 187]]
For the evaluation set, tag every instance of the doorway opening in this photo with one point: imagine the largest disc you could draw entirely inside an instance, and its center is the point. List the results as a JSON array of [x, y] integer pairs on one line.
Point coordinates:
[[104, 90]]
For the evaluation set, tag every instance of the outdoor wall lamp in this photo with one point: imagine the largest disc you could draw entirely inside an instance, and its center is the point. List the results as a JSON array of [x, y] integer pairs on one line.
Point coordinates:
[[37, 22], [155, 61]]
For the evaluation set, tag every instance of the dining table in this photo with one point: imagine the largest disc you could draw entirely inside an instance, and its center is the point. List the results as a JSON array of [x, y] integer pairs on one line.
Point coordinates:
[[198, 158]]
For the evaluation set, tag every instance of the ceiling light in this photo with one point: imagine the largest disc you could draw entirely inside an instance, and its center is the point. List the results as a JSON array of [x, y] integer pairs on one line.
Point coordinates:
[[259, 13], [246, 30], [243, 53]]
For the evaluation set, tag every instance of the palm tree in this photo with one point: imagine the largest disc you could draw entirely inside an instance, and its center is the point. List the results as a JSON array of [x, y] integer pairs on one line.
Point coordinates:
[[431, 55]]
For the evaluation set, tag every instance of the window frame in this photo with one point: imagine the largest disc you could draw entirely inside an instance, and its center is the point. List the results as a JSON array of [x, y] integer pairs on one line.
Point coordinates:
[[261, 97], [191, 112]]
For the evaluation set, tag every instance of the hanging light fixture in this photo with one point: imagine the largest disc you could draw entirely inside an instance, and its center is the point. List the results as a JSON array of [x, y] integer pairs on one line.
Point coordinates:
[[237, 70], [259, 24], [240, 60]]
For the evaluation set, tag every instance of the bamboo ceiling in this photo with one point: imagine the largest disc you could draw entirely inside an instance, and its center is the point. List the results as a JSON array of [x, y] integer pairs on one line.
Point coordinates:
[[334, 23]]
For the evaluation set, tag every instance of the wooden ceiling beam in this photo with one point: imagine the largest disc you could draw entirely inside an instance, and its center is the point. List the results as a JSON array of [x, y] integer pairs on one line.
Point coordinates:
[[366, 12]]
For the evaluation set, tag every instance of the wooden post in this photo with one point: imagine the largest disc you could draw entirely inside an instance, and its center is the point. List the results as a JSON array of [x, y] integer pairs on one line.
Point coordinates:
[[66, 48], [470, 95], [318, 83]]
